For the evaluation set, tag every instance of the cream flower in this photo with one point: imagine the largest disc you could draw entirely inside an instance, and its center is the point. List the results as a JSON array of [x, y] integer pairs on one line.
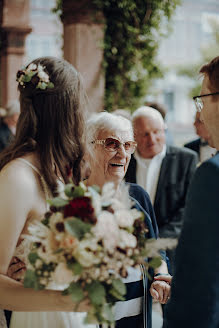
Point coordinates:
[[84, 253], [107, 230], [127, 240], [124, 218], [62, 275]]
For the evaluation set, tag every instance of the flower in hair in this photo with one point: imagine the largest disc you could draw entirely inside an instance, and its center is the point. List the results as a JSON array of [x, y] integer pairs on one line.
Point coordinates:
[[36, 75]]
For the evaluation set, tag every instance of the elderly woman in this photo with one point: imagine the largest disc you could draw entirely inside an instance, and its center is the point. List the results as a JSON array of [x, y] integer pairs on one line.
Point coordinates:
[[111, 143]]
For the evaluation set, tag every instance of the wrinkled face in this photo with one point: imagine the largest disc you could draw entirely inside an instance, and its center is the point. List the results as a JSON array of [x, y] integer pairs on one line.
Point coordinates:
[[200, 128], [149, 135], [109, 166], [210, 114]]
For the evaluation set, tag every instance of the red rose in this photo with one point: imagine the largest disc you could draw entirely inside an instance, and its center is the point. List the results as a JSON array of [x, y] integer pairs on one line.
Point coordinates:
[[80, 207]]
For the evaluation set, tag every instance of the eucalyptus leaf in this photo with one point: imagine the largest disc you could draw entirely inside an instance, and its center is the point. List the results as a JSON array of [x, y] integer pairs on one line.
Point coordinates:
[[77, 228], [57, 202], [42, 85], [119, 286], [155, 262], [107, 312], [116, 294], [96, 293], [32, 257], [78, 192], [69, 188], [31, 281], [75, 267], [50, 85], [76, 292]]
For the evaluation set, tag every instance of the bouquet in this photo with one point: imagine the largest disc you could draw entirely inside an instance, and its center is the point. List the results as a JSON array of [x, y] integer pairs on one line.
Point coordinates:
[[85, 244]]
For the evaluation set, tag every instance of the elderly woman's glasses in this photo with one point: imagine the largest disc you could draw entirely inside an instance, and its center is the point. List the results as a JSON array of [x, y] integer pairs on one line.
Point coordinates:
[[112, 144], [198, 100]]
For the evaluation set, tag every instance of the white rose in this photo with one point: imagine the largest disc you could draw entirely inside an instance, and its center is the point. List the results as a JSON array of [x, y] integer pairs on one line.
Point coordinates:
[[107, 230], [127, 240], [124, 218]]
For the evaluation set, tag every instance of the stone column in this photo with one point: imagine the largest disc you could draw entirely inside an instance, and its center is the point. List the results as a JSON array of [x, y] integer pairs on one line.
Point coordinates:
[[83, 36], [14, 29]]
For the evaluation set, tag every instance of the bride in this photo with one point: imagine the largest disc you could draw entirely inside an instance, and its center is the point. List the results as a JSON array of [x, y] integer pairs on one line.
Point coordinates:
[[49, 137]]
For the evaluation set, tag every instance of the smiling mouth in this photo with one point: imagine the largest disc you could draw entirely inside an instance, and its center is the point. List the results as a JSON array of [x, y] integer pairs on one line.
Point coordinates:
[[117, 165]]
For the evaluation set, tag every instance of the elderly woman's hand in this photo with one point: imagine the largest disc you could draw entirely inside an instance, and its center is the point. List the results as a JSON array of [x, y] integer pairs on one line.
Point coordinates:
[[16, 269], [160, 288]]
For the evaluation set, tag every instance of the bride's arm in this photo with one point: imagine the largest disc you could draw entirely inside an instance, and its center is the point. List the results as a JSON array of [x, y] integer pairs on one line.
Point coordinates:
[[18, 192]]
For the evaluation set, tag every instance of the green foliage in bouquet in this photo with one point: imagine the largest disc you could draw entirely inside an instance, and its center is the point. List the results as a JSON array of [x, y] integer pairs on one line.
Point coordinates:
[[85, 245]]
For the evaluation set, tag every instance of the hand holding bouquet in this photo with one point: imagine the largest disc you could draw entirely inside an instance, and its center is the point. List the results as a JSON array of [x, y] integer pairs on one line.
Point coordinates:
[[84, 246]]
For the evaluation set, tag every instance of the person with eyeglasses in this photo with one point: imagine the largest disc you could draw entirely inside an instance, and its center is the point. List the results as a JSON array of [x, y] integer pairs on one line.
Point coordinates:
[[111, 142], [201, 145], [195, 287], [164, 171]]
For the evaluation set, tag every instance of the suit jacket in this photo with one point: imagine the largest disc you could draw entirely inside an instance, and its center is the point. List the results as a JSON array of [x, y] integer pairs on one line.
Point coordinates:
[[177, 169], [194, 145], [195, 288]]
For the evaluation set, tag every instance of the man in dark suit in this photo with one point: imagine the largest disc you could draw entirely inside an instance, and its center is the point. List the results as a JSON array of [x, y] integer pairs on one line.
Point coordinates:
[[200, 145], [195, 288], [163, 171]]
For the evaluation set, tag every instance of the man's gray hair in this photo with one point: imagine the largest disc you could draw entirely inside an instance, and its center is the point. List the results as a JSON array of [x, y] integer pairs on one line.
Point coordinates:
[[105, 121], [148, 112]]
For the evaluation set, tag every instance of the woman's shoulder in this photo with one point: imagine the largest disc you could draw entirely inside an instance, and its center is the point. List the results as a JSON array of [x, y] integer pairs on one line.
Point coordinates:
[[17, 174]]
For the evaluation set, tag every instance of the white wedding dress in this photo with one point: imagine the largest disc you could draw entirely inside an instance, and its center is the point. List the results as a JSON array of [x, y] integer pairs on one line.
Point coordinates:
[[44, 319]]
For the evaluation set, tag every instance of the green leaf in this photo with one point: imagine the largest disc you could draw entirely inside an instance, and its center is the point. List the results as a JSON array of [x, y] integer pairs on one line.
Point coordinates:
[[96, 293], [31, 281], [26, 78], [57, 202], [77, 228], [78, 192], [75, 267], [45, 221], [116, 294], [119, 286], [107, 312], [50, 85], [155, 262], [42, 85], [91, 319], [32, 257], [76, 292], [69, 188]]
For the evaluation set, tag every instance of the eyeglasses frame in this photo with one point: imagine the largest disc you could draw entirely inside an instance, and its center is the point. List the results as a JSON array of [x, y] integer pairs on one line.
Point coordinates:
[[102, 142], [207, 94]]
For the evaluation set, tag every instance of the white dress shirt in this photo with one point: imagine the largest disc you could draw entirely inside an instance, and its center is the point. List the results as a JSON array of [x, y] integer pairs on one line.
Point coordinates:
[[148, 171]]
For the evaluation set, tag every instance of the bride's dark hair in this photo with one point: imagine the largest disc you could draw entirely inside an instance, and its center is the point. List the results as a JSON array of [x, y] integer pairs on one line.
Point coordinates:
[[51, 122]]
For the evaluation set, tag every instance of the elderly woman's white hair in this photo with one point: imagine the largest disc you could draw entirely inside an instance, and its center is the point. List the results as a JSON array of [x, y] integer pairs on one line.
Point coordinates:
[[148, 112], [105, 121]]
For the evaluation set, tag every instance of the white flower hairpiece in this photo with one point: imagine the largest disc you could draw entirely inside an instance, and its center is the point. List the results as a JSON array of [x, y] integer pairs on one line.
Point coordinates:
[[36, 75]]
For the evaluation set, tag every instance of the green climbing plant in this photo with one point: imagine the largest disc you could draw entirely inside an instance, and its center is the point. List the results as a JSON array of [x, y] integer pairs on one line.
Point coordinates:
[[133, 31]]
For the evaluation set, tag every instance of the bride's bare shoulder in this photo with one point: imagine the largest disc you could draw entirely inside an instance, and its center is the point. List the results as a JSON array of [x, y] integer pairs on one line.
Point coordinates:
[[17, 173]]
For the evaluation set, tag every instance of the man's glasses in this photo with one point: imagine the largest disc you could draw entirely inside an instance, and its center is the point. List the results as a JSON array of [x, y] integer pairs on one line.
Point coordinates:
[[198, 100], [112, 144]]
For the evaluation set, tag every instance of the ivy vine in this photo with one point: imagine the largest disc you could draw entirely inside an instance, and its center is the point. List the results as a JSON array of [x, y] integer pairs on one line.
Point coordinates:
[[133, 30]]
